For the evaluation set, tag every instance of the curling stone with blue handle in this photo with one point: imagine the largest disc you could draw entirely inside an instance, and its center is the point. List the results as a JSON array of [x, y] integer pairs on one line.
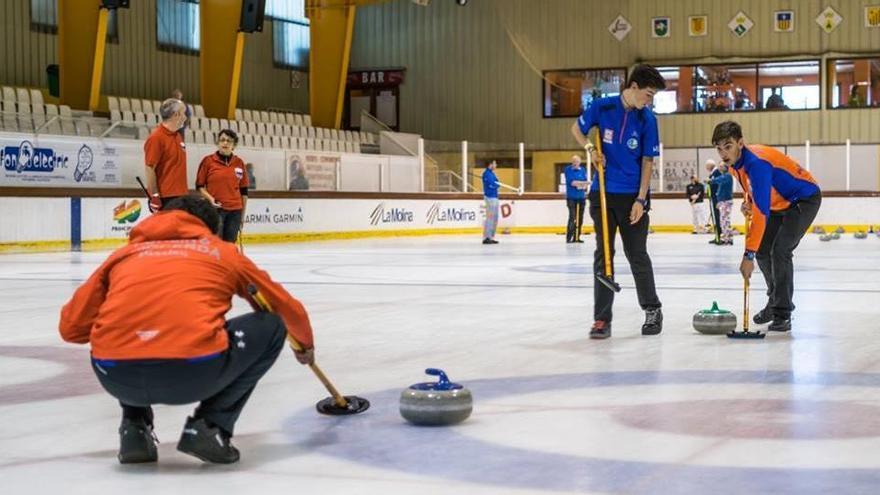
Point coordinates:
[[436, 403]]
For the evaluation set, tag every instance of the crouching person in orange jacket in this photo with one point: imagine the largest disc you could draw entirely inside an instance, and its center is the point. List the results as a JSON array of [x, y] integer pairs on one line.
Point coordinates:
[[154, 313]]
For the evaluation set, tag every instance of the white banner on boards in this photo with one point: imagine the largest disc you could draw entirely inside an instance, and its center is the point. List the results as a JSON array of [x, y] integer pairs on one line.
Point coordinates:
[[112, 218], [78, 162], [266, 216]]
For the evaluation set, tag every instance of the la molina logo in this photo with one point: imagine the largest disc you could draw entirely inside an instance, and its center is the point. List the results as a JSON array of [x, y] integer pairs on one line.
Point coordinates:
[[438, 214], [391, 215]]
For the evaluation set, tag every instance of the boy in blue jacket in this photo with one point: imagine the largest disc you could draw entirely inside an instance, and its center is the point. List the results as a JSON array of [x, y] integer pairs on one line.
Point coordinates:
[[490, 196], [630, 142], [575, 198], [723, 182]]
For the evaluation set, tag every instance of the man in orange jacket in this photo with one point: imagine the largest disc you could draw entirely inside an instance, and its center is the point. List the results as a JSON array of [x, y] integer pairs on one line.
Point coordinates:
[[782, 199], [154, 313]]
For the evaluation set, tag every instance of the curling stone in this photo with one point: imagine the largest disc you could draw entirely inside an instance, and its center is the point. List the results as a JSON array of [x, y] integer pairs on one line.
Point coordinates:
[[436, 403], [835, 235], [860, 235], [839, 230], [818, 229], [825, 237], [714, 321]]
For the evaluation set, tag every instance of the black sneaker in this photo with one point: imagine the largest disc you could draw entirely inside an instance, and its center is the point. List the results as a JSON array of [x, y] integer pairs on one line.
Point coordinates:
[[653, 322], [137, 442], [487, 241], [578, 241], [208, 443], [493, 241], [780, 325], [600, 330], [763, 316]]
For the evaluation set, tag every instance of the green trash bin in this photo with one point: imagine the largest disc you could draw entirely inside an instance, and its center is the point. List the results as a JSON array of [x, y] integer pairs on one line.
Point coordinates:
[[53, 74]]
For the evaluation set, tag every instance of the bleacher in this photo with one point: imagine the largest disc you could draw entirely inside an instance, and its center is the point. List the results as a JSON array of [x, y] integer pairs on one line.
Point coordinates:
[[23, 110]]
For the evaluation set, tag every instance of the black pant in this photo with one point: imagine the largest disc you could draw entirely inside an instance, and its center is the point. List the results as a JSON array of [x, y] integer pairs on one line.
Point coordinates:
[[783, 233], [634, 247], [222, 383], [230, 224], [716, 215], [575, 218]]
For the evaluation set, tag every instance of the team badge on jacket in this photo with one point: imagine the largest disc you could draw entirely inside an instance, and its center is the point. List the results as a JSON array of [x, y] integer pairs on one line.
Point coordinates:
[[239, 172]]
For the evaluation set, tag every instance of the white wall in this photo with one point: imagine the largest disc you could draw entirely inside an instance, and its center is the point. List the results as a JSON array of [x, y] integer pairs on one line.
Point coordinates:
[[48, 219]]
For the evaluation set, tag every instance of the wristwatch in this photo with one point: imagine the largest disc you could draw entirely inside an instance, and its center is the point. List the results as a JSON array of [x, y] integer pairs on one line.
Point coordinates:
[[749, 255], [642, 202]]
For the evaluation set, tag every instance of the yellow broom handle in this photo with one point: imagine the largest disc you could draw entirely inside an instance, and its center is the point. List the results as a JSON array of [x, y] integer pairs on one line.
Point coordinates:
[[600, 170]]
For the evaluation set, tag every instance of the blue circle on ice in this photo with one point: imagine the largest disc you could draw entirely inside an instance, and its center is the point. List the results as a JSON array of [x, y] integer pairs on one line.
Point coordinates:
[[379, 438]]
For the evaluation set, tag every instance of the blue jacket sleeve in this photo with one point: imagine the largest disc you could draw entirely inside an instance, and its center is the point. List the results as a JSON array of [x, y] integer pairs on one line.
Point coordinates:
[[589, 118], [650, 135], [761, 180]]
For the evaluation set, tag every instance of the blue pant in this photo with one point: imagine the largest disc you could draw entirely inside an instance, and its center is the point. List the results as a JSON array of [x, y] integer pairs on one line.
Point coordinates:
[[491, 218]]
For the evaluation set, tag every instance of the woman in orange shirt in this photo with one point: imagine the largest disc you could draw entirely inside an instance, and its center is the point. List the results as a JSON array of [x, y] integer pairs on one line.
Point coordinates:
[[223, 180]]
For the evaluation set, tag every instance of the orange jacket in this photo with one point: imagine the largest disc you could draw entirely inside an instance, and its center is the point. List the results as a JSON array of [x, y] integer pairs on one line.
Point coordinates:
[[772, 181], [165, 295], [225, 181]]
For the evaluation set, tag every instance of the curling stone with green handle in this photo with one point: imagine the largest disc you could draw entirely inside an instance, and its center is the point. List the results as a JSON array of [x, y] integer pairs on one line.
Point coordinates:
[[714, 321]]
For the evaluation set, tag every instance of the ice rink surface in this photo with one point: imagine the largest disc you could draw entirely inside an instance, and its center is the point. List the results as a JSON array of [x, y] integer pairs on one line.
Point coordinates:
[[554, 412]]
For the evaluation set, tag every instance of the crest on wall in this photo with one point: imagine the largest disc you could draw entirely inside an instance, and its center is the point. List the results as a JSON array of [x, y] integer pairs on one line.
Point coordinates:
[[660, 27], [698, 25], [620, 27], [740, 24], [783, 21]]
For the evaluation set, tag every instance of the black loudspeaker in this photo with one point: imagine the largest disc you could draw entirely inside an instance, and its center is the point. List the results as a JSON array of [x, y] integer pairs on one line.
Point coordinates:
[[114, 4], [252, 16]]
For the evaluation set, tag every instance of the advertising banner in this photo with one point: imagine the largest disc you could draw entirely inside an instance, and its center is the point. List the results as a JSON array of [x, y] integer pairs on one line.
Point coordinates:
[[79, 163], [310, 171]]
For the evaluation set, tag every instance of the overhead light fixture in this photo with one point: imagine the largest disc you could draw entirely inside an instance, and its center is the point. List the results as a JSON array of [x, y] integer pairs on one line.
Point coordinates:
[[423, 3], [461, 3]]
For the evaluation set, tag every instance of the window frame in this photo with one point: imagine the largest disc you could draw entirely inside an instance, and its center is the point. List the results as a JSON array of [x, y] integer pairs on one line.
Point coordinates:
[[544, 96], [39, 27], [757, 66], [758, 86], [829, 93]]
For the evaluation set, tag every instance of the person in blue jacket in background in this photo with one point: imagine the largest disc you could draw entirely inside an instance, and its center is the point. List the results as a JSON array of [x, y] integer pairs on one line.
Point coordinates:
[[490, 195], [724, 200], [575, 198]]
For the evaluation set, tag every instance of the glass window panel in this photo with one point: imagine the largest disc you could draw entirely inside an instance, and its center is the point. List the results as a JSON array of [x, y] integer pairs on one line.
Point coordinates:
[[44, 17], [676, 97], [287, 10], [290, 44], [789, 85], [855, 82], [44, 14], [724, 88], [177, 25], [567, 93]]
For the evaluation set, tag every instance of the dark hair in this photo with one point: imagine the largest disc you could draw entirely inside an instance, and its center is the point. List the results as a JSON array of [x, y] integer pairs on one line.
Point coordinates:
[[646, 76], [199, 207], [230, 133], [726, 130]]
